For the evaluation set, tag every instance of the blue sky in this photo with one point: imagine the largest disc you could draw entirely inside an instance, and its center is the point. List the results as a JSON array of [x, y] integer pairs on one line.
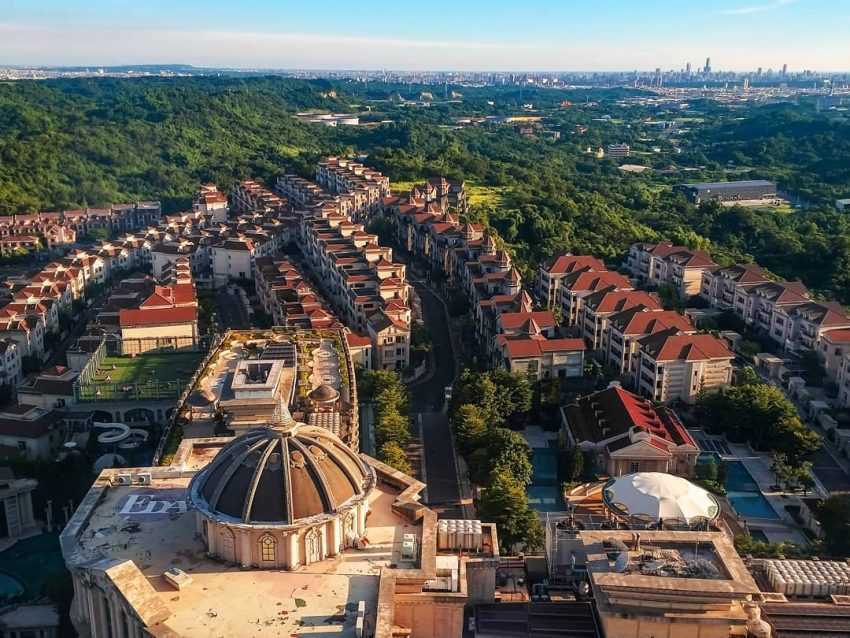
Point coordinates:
[[464, 34]]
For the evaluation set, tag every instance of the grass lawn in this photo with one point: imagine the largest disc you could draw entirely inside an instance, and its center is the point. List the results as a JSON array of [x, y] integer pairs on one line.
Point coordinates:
[[402, 188], [486, 196], [146, 376], [161, 367]]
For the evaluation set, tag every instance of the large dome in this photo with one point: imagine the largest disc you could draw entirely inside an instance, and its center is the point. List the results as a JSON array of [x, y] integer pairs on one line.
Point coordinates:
[[280, 476], [657, 496]]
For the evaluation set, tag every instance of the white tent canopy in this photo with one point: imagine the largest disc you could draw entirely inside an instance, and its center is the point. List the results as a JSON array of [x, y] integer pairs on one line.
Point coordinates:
[[656, 495]]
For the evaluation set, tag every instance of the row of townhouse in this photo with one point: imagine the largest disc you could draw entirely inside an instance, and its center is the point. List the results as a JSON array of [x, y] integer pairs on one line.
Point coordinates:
[[782, 310], [786, 313], [32, 302], [53, 229], [11, 370], [510, 334], [302, 193], [288, 298], [667, 264], [250, 196], [622, 327], [449, 195], [208, 200], [368, 187], [366, 289]]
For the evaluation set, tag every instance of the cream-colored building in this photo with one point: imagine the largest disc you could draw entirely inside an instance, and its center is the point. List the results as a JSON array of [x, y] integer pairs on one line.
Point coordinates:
[[672, 365], [280, 531]]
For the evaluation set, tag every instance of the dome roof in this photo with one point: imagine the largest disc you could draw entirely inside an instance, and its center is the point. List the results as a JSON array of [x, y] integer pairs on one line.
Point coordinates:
[[659, 496], [324, 393], [279, 476]]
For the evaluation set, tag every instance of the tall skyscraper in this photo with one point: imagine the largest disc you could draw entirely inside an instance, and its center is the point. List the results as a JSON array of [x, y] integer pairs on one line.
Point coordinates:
[[707, 68], [784, 70], [688, 68]]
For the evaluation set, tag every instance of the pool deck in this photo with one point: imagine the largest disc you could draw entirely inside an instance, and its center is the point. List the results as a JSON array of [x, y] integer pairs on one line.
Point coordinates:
[[783, 529]]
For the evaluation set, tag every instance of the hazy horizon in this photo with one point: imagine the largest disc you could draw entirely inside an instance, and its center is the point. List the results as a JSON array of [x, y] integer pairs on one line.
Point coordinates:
[[738, 35]]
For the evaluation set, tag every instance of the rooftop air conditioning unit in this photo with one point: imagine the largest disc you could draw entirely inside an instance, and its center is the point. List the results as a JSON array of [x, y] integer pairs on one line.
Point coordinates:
[[123, 479], [144, 478]]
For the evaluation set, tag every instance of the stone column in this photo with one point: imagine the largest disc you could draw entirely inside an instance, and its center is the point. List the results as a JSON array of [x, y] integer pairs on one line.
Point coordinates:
[[245, 549], [294, 553], [212, 538], [336, 537]]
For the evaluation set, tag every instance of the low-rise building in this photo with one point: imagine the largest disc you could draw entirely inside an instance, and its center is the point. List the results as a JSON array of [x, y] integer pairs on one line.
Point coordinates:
[[35, 432], [743, 190], [672, 365], [10, 362], [720, 285], [628, 434], [551, 273], [576, 286], [540, 357], [621, 340], [600, 305], [833, 346]]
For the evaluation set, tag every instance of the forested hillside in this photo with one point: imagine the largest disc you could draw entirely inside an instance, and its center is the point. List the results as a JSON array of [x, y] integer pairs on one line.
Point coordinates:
[[90, 142]]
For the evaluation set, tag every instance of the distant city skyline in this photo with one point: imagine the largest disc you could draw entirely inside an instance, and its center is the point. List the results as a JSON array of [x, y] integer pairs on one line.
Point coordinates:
[[738, 35]]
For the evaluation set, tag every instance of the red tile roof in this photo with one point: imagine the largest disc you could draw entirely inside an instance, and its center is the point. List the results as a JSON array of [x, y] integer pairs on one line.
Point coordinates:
[[570, 263], [516, 320], [158, 316], [671, 345]]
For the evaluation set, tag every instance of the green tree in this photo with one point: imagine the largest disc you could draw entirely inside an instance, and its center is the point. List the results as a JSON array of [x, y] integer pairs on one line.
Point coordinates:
[[393, 455], [761, 414], [504, 502], [392, 426], [707, 471], [470, 427], [834, 517], [575, 464]]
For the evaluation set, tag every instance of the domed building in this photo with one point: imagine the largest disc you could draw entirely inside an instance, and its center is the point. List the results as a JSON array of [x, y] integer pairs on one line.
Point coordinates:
[[282, 497]]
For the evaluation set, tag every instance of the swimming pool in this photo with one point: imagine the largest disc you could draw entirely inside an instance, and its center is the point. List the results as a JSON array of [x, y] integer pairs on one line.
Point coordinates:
[[744, 494], [10, 587], [544, 494]]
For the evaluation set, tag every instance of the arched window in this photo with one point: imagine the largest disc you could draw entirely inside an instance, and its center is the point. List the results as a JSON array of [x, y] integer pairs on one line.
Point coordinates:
[[268, 545]]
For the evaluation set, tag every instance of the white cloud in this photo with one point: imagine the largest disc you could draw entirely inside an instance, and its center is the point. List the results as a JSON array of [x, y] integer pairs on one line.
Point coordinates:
[[758, 8]]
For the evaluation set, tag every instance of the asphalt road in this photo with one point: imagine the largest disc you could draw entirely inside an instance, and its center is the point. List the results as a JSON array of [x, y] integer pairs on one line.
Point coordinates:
[[428, 394], [427, 399], [231, 313]]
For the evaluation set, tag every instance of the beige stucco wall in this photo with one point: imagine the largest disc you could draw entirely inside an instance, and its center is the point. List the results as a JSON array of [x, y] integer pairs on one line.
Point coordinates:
[[183, 335]]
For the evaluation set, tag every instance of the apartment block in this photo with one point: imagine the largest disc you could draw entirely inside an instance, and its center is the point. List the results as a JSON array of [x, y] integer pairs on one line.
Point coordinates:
[[720, 285], [552, 273], [600, 305], [621, 340], [672, 365], [665, 263], [577, 286]]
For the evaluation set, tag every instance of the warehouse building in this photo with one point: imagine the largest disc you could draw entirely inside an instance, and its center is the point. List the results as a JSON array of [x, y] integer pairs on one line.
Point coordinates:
[[746, 190]]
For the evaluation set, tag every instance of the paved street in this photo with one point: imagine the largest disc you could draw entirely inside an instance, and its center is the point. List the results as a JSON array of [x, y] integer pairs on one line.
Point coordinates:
[[231, 312], [427, 401], [428, 394]]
